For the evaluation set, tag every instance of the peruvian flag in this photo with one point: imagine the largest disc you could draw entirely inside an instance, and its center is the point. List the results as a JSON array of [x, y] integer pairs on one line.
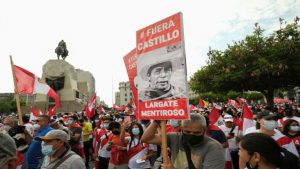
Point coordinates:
[[28, 83], [51, 111], [33, 114], [241, 100], [214, 117], [101, 108], [116, 107], [233, 103], [192, 107], [90, 107], [247, 118]]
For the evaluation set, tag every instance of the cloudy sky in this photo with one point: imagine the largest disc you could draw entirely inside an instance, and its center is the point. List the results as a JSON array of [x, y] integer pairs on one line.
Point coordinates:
[[99, 33]]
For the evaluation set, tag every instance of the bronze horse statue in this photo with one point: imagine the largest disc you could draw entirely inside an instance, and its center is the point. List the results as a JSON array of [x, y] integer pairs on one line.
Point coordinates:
[[61, 50]]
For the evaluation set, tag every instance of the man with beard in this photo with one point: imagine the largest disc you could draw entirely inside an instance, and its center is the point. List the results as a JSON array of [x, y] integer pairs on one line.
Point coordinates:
[[190, 148], [159, 76]]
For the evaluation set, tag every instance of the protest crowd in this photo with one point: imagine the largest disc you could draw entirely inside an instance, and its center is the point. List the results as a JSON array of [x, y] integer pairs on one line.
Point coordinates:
[[217, 136]]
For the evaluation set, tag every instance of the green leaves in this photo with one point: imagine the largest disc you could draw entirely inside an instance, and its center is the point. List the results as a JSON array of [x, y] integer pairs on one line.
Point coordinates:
[[261, 63]]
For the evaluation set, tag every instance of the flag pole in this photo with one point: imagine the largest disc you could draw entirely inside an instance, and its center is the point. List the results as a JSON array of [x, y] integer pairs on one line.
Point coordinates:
[[16, 92]]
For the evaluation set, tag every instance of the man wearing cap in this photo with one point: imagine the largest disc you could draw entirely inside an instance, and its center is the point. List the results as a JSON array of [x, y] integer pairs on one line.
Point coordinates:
[[34, 155], [159, 76], [8, 158], [57, 152], [233, 137]]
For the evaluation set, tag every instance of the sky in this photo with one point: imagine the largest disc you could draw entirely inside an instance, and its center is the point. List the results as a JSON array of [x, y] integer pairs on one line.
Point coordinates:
[[100, 33]]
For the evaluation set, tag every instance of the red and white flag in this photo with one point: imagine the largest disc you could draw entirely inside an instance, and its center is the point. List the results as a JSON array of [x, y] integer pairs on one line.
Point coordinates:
[[215, 117], [101, 108], [29, 83], [233, 103], [33, 114], [241, 100], [192, 107], [90, 107], [51, 111], [247, 118], [116, 107]]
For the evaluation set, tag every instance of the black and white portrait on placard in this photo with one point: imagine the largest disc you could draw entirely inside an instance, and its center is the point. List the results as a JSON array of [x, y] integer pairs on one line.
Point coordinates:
[[162, 74]]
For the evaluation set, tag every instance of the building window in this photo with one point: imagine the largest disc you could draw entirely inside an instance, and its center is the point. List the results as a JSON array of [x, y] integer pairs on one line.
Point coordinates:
[[125, 94], [125, 99]]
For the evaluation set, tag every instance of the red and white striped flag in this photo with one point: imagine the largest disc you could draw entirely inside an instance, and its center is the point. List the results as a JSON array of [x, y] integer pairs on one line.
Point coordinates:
[[247, 118], [233, 103], [33, 114], [51, 111], [101, 108], [29, 83], [90, 107], [215, 117], [241, 100]]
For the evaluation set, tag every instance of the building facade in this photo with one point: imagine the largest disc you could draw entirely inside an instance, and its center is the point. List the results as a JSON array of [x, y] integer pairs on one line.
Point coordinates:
[[124, 95]]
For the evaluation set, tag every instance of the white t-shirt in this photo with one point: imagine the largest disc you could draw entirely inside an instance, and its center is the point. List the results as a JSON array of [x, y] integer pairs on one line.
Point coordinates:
[[231, 142], [132, 163], [102, 149]]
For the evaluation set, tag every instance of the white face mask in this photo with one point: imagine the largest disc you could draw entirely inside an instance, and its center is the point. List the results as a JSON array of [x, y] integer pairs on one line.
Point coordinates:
[[270, 124], [295, 128]]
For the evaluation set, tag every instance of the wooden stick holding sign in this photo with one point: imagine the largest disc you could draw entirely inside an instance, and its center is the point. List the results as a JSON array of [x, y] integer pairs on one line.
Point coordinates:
[[16, 92], [164, 142]]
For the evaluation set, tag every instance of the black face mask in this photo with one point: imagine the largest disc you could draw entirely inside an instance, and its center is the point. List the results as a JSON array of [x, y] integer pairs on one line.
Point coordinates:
[[116, 132], [192, 139], [248, 164]]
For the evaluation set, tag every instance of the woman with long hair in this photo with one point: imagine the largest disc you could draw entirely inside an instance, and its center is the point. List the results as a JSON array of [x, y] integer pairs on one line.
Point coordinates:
[[138, 152], [291, 129]]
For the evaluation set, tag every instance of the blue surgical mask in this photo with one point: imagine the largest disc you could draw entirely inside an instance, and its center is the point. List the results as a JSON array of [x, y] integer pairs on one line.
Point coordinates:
[[174, 123], [254, 122], [105, 125], [135, 131], [70, 122], [295, 128], [47, 149], [270, 124]]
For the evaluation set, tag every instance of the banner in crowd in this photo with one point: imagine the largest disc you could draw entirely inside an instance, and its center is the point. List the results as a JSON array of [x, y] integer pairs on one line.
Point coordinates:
[[161, 70], [130, 64]]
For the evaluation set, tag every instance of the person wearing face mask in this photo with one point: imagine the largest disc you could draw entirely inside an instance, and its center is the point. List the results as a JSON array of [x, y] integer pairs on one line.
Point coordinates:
[[117, 148], [139, 153], [260, 151], [291, 129], [58, 153], [75, 135], [102, 139], [268, 124], [190, 148], [173, 126], [34, 156]]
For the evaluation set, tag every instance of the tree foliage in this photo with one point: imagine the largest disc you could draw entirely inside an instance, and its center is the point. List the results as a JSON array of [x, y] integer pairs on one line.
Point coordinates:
[[256, 63]]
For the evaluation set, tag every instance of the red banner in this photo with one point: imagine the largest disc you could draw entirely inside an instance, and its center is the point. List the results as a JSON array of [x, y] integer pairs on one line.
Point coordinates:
[[130, 64], [159, 34]]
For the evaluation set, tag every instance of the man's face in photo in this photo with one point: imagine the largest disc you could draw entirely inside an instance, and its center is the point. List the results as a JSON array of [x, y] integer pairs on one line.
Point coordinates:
[[160, 77]]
